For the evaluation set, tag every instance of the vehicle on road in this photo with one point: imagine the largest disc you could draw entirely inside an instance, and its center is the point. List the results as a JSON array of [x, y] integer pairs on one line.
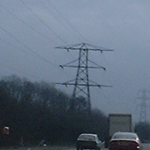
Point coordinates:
[[88, 141], [120, 122], [125, 141]]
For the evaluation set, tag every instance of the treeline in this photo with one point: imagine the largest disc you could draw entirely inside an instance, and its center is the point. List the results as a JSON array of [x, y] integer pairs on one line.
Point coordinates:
[[143, 130], [36, 111]]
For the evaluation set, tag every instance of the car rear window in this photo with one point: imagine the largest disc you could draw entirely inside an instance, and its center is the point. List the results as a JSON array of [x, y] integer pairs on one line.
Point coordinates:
[[124, 136], [86, 137]]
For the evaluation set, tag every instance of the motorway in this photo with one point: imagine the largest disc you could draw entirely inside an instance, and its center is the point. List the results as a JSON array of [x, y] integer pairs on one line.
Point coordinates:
[[145, 146]]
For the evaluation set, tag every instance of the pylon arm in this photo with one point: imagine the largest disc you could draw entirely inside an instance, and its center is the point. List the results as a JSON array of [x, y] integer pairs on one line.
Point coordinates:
[[98, 66], [75, 66], [81, 84], [66, 65], [84, 49]]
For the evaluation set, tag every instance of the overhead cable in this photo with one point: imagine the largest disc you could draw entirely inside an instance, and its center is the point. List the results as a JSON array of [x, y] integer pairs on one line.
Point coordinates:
[[48, 27]]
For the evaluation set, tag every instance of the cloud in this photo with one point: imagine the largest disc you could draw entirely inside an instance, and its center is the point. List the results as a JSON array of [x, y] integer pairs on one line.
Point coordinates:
[[30, 31]]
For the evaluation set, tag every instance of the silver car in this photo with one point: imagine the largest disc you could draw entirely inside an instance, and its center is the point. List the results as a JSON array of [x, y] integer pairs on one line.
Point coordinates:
[[88, 141]]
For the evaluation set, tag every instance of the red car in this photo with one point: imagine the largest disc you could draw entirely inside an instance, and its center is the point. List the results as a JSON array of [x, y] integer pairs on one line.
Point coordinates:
[[125, 141]]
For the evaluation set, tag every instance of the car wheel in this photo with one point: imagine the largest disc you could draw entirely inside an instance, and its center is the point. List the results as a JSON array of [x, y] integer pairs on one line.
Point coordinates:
[[98, 148], [79, 148]]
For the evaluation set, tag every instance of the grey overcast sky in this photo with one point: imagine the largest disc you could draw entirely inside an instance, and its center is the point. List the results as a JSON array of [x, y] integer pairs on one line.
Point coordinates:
[[31, 29]]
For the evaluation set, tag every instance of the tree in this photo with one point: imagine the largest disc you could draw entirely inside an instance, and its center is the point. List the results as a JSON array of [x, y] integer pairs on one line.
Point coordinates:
[[38, 110], [143, 130]]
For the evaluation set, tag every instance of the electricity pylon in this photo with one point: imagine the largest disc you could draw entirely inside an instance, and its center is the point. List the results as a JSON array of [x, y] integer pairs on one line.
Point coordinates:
[[143, 109], [82, 83]]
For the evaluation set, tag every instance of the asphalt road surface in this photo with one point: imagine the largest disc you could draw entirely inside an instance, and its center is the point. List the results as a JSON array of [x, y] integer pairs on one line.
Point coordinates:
[[146, 146]]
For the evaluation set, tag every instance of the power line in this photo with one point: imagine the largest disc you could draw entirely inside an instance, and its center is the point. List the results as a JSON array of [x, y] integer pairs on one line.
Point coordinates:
[[12, 45], [27, 52], [48, 27], [12, 68], [28, 25], [37, 31], [30, 51], [55, 17], [26, 47], [22, 72], [64, 18]]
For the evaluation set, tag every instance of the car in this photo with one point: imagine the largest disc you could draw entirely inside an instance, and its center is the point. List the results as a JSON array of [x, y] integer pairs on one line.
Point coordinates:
[[125, 141], [88, 141]]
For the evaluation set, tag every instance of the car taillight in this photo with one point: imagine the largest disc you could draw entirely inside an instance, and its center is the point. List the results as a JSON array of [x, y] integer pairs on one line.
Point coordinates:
[[112, 143], [135, 144]]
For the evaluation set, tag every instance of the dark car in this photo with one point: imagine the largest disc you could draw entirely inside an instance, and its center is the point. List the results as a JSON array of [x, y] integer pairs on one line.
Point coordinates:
[[88, 141], [125, 141]]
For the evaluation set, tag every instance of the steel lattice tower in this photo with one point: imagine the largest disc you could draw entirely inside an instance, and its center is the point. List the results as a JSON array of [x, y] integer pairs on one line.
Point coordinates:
[[143, 109], [82, 83]]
